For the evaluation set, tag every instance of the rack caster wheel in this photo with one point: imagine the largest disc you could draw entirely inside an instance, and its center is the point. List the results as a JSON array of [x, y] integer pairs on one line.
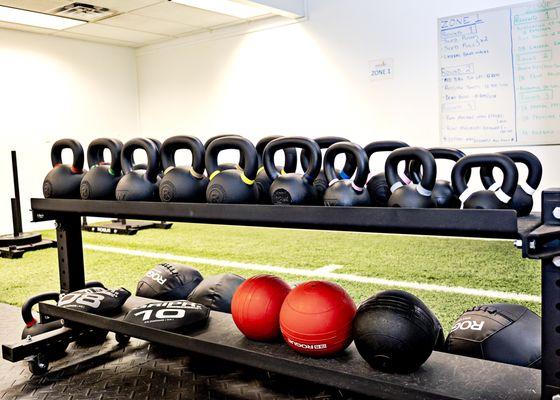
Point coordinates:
[[122, 339], [38, 365]]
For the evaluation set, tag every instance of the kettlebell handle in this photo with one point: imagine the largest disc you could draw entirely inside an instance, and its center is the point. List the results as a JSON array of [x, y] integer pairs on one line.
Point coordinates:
[[307, 145], [210, 140], [383, 145], [152, 155], [325, 142], [439, 153], [509, 184], [427, 162], [27, 307], [290, 154], [534, 168], [191, 143], [95, 153], [157, 143], [77, 154], [248, 154], [358, 154]]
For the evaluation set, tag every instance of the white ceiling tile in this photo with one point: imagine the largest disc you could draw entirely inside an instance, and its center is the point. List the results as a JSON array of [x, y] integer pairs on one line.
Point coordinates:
[[146, 24], [122, 5], [35, 5], [186, 15], [96, 39], [112, 32]]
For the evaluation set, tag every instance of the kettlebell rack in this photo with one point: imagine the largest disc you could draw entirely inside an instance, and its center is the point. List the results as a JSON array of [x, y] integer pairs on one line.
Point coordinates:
[[443, 376]]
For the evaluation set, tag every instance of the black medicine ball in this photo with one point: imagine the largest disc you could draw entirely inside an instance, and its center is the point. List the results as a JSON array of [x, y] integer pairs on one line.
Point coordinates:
[[175, 316], [95, 300], [216, 291], [507, 333], [168, 281], [394, 331]]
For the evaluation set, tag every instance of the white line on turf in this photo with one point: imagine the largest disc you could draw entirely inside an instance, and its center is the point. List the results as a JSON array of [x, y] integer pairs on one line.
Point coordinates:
[[328, 268], [323, 272]]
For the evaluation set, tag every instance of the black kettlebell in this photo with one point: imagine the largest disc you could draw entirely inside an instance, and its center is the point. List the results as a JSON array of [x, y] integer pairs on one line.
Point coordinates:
[[293, 188], [100, 182], [442, 194], [343, 191], [139, 185], [34, 327], [377, 187], [262, 180], [234, 186], [522, 200], [485, 199], [411, 195], [142, 166], [224, 166], [321, 183], [63, 181], [186, 184], [394, 331]]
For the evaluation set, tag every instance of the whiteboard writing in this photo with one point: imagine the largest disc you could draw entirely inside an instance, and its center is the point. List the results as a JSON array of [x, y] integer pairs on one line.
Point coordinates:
[[500, 76]]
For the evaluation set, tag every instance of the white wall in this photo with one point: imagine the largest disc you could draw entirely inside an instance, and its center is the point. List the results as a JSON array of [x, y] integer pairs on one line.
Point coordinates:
[[52, 88], [311, 78]]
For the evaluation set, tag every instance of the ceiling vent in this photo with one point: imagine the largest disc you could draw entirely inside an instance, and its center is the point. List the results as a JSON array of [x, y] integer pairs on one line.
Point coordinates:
[[84, 12]]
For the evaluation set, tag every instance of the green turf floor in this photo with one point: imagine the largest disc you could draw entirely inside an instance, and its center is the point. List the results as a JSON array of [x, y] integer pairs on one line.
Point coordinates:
[[493, 265]]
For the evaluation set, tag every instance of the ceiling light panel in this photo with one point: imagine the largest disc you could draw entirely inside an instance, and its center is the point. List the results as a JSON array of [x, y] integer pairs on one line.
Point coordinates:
[[32, 18], [34, 5], [228, 7]]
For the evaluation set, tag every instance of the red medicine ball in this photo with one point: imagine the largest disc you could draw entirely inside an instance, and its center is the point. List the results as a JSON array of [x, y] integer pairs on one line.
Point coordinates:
[[316, 318], [256, 304]]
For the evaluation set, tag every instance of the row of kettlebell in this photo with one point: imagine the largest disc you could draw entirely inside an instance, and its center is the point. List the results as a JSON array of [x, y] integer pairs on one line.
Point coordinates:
[[159, 178], [256, 178], [415, 187]]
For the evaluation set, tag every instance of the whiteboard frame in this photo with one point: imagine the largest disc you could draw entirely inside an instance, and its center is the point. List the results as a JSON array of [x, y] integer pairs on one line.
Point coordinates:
[[485, 145]]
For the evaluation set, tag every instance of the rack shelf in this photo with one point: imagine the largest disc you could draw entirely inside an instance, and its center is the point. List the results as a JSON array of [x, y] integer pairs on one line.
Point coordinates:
[[444, 376], [474, 223]]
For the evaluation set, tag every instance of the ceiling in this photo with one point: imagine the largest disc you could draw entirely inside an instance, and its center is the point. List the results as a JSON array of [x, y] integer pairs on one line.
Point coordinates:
[[135, 23]]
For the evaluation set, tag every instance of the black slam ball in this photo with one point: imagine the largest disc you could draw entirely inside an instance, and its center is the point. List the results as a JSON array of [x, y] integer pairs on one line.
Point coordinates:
[[507, 333], [216, 291], [394, 331], [168, 281]]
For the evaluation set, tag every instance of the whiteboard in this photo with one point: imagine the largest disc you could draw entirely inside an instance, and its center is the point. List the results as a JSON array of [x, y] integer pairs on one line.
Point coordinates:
[[500, 76]]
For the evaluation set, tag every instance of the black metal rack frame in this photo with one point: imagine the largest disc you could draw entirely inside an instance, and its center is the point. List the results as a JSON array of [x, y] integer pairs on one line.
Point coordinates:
[[538, 236]]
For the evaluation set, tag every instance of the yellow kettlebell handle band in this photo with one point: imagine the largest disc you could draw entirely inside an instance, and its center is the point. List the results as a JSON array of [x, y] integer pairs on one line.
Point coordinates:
[[246, 180], [242, 175]]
